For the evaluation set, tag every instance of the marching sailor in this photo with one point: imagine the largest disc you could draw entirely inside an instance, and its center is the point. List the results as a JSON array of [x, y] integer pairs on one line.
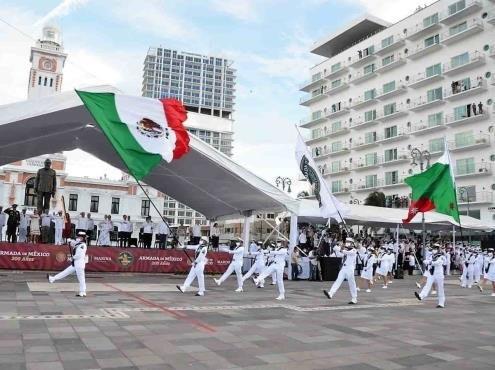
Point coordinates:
[[367, 272], [385, 262], [490, 269], [235, 265], [197, 269], [258, 265], [435, 266], [346, 272], [78, 264], [467, 277], [276, 266]]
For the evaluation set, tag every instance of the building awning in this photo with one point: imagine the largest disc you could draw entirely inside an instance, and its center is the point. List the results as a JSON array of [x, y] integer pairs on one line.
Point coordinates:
[[204, 179]]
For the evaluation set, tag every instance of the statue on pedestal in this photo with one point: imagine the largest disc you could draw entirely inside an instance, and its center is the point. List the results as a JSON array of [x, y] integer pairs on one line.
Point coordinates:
[[45, 186]]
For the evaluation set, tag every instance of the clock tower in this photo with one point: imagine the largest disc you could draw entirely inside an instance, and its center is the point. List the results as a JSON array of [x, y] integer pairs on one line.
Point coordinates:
[[47, 63]]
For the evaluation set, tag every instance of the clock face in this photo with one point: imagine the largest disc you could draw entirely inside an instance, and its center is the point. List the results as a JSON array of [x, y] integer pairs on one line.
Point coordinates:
[[47, 64]]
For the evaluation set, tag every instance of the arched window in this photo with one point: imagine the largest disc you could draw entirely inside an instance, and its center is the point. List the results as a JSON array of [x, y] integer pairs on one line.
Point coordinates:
[[29, 195]]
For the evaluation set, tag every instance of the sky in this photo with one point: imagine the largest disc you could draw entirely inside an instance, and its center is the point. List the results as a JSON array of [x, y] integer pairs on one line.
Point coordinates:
[[268, 40]]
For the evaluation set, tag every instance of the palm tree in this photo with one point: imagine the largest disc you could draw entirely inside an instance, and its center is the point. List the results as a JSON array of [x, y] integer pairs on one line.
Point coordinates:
[[376, 198]]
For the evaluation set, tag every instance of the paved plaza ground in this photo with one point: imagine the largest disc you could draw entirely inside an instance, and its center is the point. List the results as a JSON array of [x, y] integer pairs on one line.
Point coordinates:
[[142, 322]]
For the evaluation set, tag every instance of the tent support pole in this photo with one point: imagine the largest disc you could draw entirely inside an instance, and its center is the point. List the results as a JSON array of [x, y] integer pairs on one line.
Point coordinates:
[[293, 235], [424, 235]]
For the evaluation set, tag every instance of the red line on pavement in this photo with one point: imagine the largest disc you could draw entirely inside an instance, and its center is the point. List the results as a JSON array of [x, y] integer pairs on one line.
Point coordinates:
[[178, 315]]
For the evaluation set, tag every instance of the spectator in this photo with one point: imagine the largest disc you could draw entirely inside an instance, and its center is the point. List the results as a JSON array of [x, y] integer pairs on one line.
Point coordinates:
[[215, 236], [123, 227], [58, 221], [294, 260], [162, 234], [34, 230], [90, 226], [147, 232], [3, 219], [67, 233], [196, 233], [23, 227], [411, 263], [105, 227], [313, 265], [46, 220], [82, 223], [12, 223], [303, 239]]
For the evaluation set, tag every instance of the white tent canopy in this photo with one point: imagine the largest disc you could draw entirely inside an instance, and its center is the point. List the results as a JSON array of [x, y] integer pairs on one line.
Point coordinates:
[[389, 217], [204, 179]]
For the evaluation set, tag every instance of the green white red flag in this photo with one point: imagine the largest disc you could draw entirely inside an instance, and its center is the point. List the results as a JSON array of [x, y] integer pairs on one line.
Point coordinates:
[[143, 131]]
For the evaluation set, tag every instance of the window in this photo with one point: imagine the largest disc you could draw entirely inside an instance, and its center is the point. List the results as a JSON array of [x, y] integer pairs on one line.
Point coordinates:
[[435, 119], [464, 139], [466, 193], [459, 60], [72, 202], [370, 137], [370, 68], [45, 82], [29, 194], [189, 214], [388, 87], [458, 28], [145, 207], [336, 146], [387, 41], [370, 115], [39, 80], [389, 109], [115, 206], [371, 159], [336, 83], [432, 40], [371, 181], [336, 186], [387, 60], [457, 6], [434, 94], [472, 212], [95, 201], [460, 112], [335, 67], [433, 70], [390, 132], [335, 166], [431, 20], [465, 166], [436, 145], [369, 94], [336, 126], [390, 155], [391, 177], [51, 82]]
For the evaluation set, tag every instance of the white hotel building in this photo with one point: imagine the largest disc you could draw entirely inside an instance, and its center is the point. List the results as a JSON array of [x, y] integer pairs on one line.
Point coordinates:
[[385, 89]]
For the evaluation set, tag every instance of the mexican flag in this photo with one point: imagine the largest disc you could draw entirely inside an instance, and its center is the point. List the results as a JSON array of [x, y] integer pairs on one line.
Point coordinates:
[[434, 189], [143, 131]]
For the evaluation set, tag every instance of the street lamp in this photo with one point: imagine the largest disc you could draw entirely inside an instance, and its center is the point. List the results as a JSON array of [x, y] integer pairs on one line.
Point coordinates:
[[463, 190], [284, 181], [421, 156]]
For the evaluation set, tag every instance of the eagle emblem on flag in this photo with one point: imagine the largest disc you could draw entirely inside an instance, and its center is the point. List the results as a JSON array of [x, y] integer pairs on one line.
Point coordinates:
[[150, 128], [311, 175]]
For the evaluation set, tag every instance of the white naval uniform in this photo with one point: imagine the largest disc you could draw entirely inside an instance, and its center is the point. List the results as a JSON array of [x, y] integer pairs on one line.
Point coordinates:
[[367, 271], [386, 262], [78, 265], [235, 265], [437, 278], [59, 227], [197, 269], [467, 277], [490, 269], [276, 266], [257, 267], [346, 272], [23, 226], [478, 267]]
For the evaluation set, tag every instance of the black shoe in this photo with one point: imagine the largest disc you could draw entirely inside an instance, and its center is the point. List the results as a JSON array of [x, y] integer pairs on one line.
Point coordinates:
[[440, 306], [417, 296], [48, 277], [79, 295], [199, 295], [327, 294], [180, 289], [351, 302]]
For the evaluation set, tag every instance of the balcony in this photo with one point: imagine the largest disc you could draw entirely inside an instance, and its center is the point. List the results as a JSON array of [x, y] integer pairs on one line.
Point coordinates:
[[479, 169], [315, 139], [397, 62], [453, 120], [363, 123], [400, 158], [315, 118], [338, 131], [399, 89], [392, 183], [338, 171], [315, 81], [361, 77], [365, 144], [475, 60], [420, 30], [330, 153], [357, 61], [364, 165], [421, 51], [336, 110], [491, 19], [343, 190], [472, 28], [397, 43], [337, 88], [398, 112], [400, 135], [472, 6], [475, 88], [422, 79], [426, 128], [480, 197], [337, 71], [471, 142], [361, 102], [313, 98], [423, 103], [366, 187]]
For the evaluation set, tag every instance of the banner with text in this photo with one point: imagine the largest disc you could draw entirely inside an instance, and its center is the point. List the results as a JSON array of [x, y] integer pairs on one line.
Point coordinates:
[[102, 259]]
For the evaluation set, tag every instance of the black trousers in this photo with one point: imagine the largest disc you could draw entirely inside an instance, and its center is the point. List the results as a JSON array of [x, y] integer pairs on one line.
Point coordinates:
[[162, 241], [12, 234], [295, 271], [89, 234], [195, 240], [147, 240], [215, 241], [43, 201]]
